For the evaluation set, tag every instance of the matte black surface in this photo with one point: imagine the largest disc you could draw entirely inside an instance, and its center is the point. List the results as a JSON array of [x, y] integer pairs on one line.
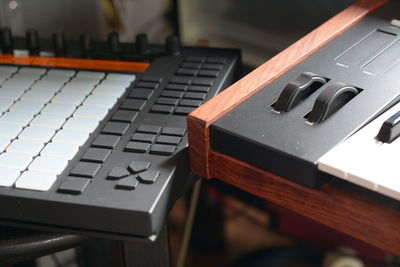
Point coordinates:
[[287, 143], [390, 129], [138, 166], [74, 185], [140, 212]]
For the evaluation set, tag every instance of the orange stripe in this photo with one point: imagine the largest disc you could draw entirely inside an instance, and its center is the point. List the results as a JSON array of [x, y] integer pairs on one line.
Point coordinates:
[[92, 64]]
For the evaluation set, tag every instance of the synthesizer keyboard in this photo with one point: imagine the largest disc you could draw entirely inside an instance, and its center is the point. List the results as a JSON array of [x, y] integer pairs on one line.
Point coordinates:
[[369, 157], [93, 135], [287, 126]]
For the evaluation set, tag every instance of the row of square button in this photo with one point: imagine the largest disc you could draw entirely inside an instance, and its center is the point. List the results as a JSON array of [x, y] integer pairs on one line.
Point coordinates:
[[200, 66], [142, 92], [181, 96], [102, 146], [157, 140]]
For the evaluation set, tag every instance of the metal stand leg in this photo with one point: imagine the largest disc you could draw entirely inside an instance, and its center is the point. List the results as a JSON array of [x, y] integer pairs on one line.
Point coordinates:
[[148, 255]]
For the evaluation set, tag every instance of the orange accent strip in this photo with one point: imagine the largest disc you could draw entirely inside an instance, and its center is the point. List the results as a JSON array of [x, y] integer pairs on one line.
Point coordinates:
[[93, 64]]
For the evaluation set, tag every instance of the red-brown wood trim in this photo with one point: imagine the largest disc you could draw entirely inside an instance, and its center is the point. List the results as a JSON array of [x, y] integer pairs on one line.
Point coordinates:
[[352, 214], [91, 64], [200, 119]]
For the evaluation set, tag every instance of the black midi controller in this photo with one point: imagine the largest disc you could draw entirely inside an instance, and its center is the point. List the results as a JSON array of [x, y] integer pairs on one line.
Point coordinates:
[[290, 124], [93, 134]]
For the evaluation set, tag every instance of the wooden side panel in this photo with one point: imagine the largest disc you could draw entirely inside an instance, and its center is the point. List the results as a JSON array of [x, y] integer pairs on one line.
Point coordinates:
[[200, 119], [337, 208], [90, 64]]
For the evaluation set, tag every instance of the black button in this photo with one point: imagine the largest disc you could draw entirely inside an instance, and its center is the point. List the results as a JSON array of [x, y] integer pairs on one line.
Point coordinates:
[[138, 166], [191, 65], [193, 95], [73, 185], [148, 177], [183, 110], [219, 60], [141, 93], [201, 89], [168, 140], [212, 67], [162, 149], [117, 173], [162, 109], [203, 81], [167, 101], [115, 128], [186, 72], [172, 94], [85, 169], [155, 79], [124, 116], [194, 59], [98, 155], [133, 104], [137, 147], [174, 131], [150, 85], [154, 129], [180, 80], [176, 87], [209, 73], [106, 141], [190, 103], [142, 137], [129, 183]]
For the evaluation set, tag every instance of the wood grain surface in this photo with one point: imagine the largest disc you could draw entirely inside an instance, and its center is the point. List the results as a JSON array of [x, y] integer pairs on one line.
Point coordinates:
[[200, 119], [63, 62], [352, 214], [358, 216]]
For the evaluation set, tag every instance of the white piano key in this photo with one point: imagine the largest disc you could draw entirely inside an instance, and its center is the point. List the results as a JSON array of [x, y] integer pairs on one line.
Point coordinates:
[[70, 137], [100, 101], [85, 80], [69, 98], [38, 71], [61, 72], [52, 165], [17, 118], [81, 124], [28, 147], [4, 142], [115, 83], [27, 106], [109, 90], [38, 96], [52, 86], [20, 76], [90, 112], [19, 83], [36, 180], [55, 79], [8, 176], [91, 74], [48, 121], [9, 131], [37, 133], [122, 77], [15, 161], [60, 150], [2, 78], [5, 104], [59, 109], [11, 93], [8, 69], [78, 88]]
